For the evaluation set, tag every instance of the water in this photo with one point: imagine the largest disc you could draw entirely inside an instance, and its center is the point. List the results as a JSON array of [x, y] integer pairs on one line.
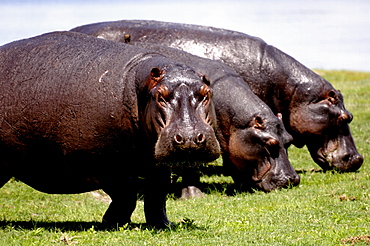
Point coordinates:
[[328, 34]]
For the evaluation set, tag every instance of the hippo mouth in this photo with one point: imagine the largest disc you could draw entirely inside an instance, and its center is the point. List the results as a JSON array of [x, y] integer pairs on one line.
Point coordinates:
[[261, 171], [332, 157], [274, 173], [261, 180], [325, 155], [261, 177], [269, 174], [186, 150]]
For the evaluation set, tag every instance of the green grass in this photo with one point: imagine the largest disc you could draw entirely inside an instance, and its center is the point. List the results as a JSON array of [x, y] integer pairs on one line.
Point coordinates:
[[326, 209]]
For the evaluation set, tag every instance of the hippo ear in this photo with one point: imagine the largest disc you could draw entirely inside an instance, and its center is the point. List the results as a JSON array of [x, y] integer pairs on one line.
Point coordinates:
[[206, 80], [332, 97], [156, 72], [280, 116], [258, 122], [127, 38], [272, 141], [155, 76]]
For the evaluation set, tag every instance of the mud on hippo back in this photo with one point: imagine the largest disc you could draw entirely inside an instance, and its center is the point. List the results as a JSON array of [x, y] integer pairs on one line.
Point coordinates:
[[313, 111], [253, 140], [79, 114]]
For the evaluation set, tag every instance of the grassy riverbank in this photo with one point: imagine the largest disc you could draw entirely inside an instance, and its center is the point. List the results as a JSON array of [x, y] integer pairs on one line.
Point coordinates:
[[326, 209]]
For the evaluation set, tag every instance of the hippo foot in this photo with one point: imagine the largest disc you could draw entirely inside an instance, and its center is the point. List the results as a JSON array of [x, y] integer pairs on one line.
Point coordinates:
[[113, 219], [114, 224], [167, 225], [191, 192]]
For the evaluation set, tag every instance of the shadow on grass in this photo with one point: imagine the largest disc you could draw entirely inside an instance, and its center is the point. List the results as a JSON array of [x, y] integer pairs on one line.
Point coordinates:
[[330, 171], [314, 170], [184, 224], [51, 226], [226, 188]]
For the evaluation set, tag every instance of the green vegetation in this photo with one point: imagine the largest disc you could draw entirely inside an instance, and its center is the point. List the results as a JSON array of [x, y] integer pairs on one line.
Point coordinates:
[[326, 209]]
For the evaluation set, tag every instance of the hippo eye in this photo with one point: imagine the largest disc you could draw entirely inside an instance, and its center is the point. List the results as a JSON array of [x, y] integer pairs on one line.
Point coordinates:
[[272, 142], [272, 146], [206, 98], [205, 93], [330, 98], [161, 100], [258, 123], [162, 95]]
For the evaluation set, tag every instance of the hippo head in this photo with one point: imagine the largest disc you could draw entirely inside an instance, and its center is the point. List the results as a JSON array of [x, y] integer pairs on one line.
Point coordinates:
[[258, 151], [322, 125], [181, 115]]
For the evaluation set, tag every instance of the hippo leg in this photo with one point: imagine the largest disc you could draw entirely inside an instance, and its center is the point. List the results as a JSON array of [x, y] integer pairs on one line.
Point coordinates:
[[238, 177], [156, 190], [124, 196], [4, 177], [190, 181]]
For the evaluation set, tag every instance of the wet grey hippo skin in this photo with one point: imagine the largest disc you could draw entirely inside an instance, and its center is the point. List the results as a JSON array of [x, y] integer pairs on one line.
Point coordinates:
[[79, 113], [313, 111], [252, 138]]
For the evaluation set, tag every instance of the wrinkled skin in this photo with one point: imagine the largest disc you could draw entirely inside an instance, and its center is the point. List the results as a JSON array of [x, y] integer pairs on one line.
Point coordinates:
[[252, 138], [285, 85], [79, 114]]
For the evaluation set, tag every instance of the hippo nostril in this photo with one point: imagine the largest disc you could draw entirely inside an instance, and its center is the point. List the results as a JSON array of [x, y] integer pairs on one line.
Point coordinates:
[[346, 158], [295, 180], [179, 139], [350, 163], [353, 158], [200, 138]]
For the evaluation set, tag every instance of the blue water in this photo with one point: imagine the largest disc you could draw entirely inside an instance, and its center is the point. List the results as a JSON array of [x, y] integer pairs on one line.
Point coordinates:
[[328, 34]]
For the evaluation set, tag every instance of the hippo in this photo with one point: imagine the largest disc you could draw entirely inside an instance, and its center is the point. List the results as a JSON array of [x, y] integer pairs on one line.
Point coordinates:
[[312, 109], [79, 113], [253, 140]]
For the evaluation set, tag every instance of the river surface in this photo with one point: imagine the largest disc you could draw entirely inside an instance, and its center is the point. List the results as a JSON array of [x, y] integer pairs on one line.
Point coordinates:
[[327, 34]]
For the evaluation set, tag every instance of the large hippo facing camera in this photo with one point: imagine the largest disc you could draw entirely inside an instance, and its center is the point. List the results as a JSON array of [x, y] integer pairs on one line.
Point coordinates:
[[313, 111], [252, 138], [79, 113]]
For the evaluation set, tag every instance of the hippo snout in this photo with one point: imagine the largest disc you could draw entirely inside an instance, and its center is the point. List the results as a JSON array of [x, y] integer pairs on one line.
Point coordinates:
[[356, 161], [187, 144], [189, 141], [282, 179], [293, 179], [349, 162], [193, 142]]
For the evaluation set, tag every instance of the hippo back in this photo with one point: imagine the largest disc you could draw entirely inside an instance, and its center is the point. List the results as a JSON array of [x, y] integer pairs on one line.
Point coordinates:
[[278, 79], [54, 104]]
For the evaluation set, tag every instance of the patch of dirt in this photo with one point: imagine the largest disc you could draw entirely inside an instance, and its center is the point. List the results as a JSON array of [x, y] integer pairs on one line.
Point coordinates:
[[344, 197], [101, 196], [352, 240]]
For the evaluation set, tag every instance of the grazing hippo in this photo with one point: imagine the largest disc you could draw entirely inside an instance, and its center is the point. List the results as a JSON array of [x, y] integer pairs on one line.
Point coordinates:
[[313, 111], [252, 138], [79, 113]]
